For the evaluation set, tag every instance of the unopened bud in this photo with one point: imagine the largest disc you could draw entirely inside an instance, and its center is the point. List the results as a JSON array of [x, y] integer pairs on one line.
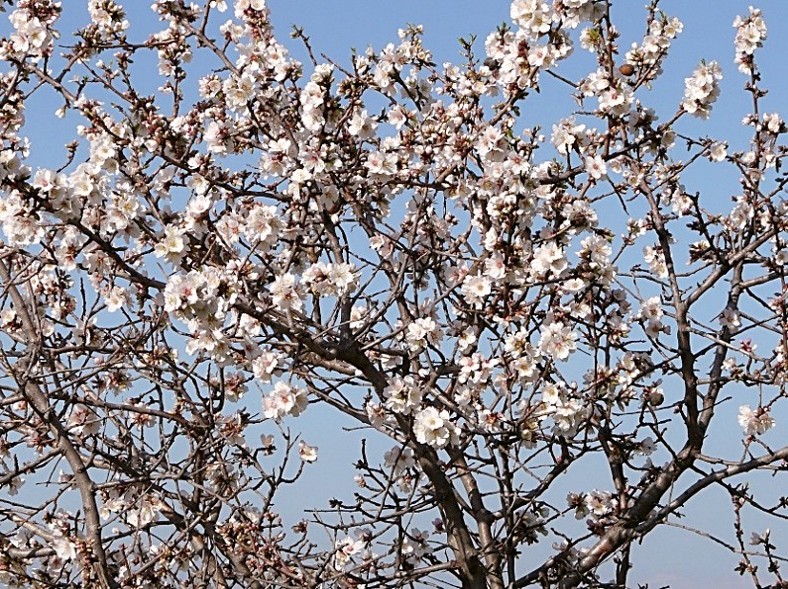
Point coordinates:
[[655, 397]]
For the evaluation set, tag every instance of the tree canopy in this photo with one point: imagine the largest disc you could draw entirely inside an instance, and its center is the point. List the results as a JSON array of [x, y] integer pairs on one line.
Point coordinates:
[[496, 305]]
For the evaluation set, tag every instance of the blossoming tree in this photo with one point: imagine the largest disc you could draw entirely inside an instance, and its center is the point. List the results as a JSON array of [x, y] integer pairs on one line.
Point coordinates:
[[495, 306]]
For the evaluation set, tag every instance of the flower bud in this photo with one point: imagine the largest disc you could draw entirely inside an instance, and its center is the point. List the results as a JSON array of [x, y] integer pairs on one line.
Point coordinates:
[[655, 397]]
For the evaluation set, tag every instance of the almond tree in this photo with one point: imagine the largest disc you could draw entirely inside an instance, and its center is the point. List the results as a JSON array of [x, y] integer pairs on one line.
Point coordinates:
[[500, 304]]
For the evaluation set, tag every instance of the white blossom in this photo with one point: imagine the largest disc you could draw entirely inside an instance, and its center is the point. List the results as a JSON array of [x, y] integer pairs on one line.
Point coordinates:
[[435, 428], [755, 422], [557, 340], [284, 293], [284, 400], [306, 452], [702, 89]]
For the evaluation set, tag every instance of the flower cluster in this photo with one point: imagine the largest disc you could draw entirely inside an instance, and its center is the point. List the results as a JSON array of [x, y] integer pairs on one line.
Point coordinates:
[[345, 551], [329, 279], [595, 503], [33, 33], [402, 462], [646, 57], [557, 340], [750, 34], [568, 411], [415, 546], [651, 311], [403, 395], [702, 89], [284, 400], [755, 422], [435, 428]]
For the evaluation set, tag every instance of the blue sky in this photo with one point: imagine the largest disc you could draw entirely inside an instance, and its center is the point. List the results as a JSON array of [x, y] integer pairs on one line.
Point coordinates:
[[334, 26]]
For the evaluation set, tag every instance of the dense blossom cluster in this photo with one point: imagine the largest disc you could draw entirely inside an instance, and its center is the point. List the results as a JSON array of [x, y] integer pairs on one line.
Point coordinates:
[[702, 89], [750, 34], [494, 304]]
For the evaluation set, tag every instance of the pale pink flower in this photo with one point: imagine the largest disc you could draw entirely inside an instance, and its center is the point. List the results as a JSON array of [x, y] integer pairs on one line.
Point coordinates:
[[595, 166], [284, 293], [285, 400], [755, 422], [434, 428], [306, 452]]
